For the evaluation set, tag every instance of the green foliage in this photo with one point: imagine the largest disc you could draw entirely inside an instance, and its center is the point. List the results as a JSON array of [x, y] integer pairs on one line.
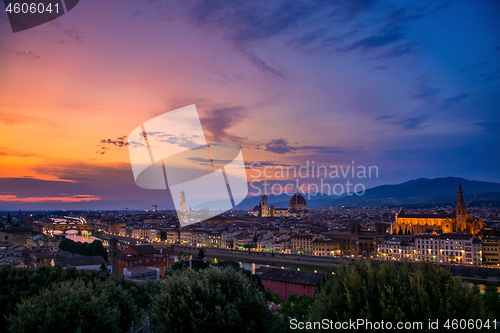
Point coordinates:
[[228, 298], [492, 302], [272, 297], [198, 264], [18, 284], [75, 306], [236, 266], [385, 293], [178, 266], [87, 249], [296, 307], [142, 293], [212, 300]]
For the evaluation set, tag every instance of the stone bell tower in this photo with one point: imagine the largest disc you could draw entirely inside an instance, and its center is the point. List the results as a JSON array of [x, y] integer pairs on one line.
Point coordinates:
[[461, 214], [265, 207]]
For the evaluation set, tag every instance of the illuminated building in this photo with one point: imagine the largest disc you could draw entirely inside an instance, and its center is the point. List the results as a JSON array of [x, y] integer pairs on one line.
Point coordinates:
[[326, 247], [397, 249], [491, 250], [297, 207], [144, 256], [450, 247], [302, 244], [415, 224]]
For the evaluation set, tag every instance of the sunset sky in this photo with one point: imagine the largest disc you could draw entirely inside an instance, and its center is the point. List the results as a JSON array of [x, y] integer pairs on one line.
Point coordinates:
[[410, 87]]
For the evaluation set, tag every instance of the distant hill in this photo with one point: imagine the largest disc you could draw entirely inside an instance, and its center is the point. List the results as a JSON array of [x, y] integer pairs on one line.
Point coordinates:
[[279, 201], [421, 191], [418, 191]]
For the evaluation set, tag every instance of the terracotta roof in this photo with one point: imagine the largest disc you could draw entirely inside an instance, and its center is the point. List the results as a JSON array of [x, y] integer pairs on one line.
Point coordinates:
[[455, 235], [444, 236], [11, 230], [286, 275], [427, 216], [326, 241], [143, 249], [297, 199], [302, 236]]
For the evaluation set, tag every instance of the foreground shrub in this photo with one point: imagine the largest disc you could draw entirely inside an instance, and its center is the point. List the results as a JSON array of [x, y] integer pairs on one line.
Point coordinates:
[[75, 306], [376, 293], [212, 300]]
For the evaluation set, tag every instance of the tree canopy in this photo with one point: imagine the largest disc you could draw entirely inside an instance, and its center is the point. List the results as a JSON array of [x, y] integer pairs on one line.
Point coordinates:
[[75, 306], [212, 299], [17, 285], [413, 293], [87, 249], [225, 297]]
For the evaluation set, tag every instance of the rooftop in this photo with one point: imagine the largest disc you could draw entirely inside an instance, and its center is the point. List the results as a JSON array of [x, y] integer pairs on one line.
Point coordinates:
[[302, 236], [143, 249], [286, 275]]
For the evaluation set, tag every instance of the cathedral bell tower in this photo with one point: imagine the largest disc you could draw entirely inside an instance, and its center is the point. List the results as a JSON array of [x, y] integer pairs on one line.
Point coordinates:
[[265, 207], [461, 214]]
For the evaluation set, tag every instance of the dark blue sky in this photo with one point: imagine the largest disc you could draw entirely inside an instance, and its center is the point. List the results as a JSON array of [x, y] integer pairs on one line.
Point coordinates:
[[411, 87]]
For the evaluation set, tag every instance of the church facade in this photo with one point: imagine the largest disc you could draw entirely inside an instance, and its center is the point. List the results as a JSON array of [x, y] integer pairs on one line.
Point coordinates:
[[297, 207], [460, 222]]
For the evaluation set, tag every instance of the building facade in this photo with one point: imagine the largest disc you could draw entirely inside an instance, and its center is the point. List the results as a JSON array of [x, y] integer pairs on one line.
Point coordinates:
[[491, 250], [415, 224], [144, 256], [285, 282], [397, 249], [458, 248], [297, 207], [325, 247], [16, 235], [360, 240], [302, 244]]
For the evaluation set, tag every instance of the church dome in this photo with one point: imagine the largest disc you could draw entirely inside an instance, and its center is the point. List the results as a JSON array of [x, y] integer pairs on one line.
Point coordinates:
[[297, 202]]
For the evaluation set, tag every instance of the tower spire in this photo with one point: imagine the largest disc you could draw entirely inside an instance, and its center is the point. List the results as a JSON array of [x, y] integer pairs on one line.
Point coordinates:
[[182, 201], [461, 214], [460, 200]]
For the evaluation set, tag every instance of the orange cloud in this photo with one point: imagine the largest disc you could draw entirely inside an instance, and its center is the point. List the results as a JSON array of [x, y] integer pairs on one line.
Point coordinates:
[[71, 198]]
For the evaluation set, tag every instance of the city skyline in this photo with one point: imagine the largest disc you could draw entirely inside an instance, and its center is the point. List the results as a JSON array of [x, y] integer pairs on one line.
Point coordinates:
[[408, 88]]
